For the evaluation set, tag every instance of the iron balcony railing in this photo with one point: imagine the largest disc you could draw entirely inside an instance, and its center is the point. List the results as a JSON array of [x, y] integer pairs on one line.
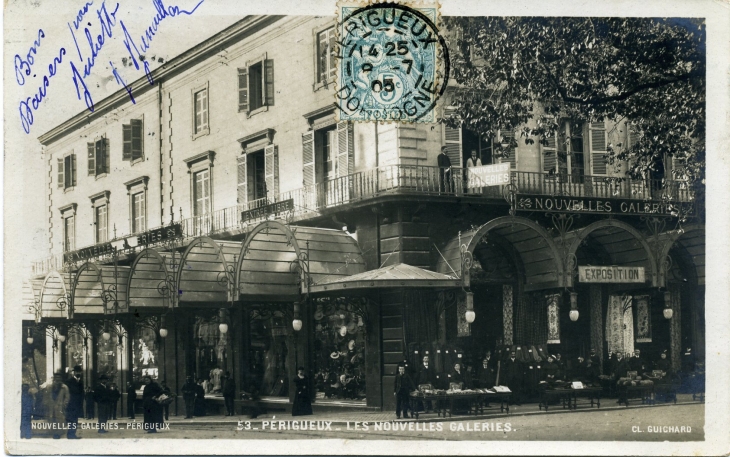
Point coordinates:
[[420, 180]]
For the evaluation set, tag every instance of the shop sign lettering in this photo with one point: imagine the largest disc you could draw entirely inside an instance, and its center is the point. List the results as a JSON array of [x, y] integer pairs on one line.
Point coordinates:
[[612, 274], [602, 206], [266, 210]]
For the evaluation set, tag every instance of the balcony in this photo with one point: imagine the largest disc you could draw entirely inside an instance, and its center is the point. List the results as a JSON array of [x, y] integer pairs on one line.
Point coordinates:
[[421, 181]]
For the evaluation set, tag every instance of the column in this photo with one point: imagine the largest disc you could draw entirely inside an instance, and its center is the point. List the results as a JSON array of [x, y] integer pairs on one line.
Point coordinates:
[[675, 328], [507, 310], [596, 307]]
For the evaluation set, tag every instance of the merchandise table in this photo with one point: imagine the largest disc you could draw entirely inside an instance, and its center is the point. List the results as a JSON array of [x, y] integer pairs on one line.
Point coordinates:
[[590, 393], [558, 395], [644, 392], [475, 402]]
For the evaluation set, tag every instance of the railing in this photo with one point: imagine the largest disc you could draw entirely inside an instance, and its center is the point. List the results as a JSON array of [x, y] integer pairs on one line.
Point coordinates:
[[418, 180]]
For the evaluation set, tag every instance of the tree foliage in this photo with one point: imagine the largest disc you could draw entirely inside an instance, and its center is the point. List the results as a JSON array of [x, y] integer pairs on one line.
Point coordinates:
[[651, 72]]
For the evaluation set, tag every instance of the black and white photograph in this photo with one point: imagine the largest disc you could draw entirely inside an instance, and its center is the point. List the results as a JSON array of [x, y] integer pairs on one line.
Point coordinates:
[[361, 227]]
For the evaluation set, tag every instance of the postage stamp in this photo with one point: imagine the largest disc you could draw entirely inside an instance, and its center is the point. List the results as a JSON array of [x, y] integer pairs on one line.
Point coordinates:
[[393, 63]]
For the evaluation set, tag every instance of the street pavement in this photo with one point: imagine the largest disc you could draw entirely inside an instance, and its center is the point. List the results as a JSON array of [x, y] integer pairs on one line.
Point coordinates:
[[662, 422]]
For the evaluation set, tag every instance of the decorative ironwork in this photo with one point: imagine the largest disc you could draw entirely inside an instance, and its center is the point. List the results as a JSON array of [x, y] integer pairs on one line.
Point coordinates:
[[655, 226], [34, 308], [509, 192], [562, 224]]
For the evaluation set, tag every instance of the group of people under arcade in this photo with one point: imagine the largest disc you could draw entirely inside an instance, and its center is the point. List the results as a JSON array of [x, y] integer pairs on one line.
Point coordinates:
[[524, 369]]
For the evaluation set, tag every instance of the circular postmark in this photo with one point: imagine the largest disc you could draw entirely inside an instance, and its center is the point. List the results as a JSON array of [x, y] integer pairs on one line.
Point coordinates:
[[392, 65]]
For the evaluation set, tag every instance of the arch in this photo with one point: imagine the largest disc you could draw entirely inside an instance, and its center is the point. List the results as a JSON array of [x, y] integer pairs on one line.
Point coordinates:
[[691, 239], [206, 273], [148, 276], [616, 247], [541, 259], [55, 296], [94, 284], [268, 268]]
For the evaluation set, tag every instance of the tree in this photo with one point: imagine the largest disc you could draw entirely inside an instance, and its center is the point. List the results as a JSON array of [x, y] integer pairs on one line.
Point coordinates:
[[651, 72]]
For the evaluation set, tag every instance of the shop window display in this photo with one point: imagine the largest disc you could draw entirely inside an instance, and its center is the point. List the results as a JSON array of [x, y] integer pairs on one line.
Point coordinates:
[[339, 353], [271, 342], [75, 350], [145, 353], [106, 355], [211, 353]]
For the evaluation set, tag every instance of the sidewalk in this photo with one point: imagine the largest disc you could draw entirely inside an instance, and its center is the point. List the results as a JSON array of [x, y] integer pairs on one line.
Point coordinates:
[[342, 417]]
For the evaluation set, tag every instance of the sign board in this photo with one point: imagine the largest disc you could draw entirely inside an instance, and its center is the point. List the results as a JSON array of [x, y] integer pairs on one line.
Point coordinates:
[[90, 252], [263, 211], [488, 175], [612, 274], [159, 235], [601, 205]]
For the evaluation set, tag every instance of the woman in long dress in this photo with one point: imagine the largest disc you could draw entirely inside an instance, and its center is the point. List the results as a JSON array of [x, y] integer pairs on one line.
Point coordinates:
[[153, 410], [302, 395]]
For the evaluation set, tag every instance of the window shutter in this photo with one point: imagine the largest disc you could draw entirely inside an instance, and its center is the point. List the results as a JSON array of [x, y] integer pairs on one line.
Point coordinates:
[[452, 141], [137, 143], [126, 142], [597, 132], [550, 155], [345, 149], [308, 159], [73, 170], [60, 173], [107, 153], [242, 89], [271, 170], [242, 194], [91, 155], [269, 81], [511, 157], [99, 156]]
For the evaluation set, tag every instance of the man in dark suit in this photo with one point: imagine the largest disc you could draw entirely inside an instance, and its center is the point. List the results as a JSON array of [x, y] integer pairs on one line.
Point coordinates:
[[131, 397], [487, 373], [229, 393], [425, 375], [444, 164], [75, 408], [188, 393], [403, 386], [513, 377], [101, 397], [636, 363]]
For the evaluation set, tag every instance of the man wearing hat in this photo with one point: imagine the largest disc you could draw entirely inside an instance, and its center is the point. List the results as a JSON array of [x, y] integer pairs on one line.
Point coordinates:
[[188, 393], [101, 397], [75, 408]]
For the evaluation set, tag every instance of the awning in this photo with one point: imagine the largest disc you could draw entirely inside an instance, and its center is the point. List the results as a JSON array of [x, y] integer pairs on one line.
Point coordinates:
[[399, 275], [207, 271], [275, 258], [149, 285], [55, 298], [31, 296], [98, 287]]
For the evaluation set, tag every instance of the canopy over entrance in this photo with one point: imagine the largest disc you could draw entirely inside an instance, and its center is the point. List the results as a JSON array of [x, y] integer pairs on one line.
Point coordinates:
[[687, 244], [98, 287], [55, 296], [206, 273], [151, 280], [399, 275]]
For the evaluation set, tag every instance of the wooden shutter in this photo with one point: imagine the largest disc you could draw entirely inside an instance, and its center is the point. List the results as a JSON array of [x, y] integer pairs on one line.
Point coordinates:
[[511, 157], [60, 173], [242, 89], [126, 142], [308, 159], [99, 156], [73, 170], [269, 82], [345, 149], [452, 141], [107, 153], [271, 171], [242, 194], [550, 155], [91, 156], [597, 143], [137, 141]]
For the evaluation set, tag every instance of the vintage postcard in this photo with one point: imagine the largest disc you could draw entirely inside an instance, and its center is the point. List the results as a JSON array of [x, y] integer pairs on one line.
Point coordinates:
[[366, 227]]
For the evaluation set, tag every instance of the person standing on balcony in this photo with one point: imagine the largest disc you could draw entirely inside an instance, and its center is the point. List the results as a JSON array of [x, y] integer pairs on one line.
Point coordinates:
[[472, 181], [444, 164]]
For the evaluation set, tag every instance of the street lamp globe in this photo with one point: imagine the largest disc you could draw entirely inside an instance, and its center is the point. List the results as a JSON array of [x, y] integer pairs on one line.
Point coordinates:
[[470, 316], [61, 338], [296, 324], [574, 315], [223, 327], [29, 340], [163, 332], [106, 335], [668, 313]]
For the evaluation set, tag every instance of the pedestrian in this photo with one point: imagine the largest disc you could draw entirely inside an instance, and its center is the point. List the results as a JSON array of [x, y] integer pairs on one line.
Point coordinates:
[[152, 408], [444, 164], [229, 393], [55, 399], [403, 387], [302, 395], [200, 399], [188, 393], [131, 397], [513, 377], [26, 411], [114, 396], [75, 407], [102, 399], [89, 400], [166, 406], [472, 182]]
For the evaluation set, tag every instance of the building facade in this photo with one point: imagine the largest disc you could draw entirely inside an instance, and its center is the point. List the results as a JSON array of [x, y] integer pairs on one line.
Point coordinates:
[[225, 222]]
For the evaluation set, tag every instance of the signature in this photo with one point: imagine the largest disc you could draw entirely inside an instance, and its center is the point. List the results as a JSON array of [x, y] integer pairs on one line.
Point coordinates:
[[90, 48]]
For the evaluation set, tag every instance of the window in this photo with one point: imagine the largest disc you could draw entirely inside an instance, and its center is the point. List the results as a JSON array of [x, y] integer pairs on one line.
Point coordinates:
[[201, 111], [325, 159], [67, 171], [132, 134], [138, 212], [256, 86], [325, 55], [256, 171], [201, 192], [98, 157], [577, 151], [69, 237], [101, 222]]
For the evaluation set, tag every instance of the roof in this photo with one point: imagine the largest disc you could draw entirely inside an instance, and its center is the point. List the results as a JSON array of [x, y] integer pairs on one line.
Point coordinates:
[[398, 275]]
